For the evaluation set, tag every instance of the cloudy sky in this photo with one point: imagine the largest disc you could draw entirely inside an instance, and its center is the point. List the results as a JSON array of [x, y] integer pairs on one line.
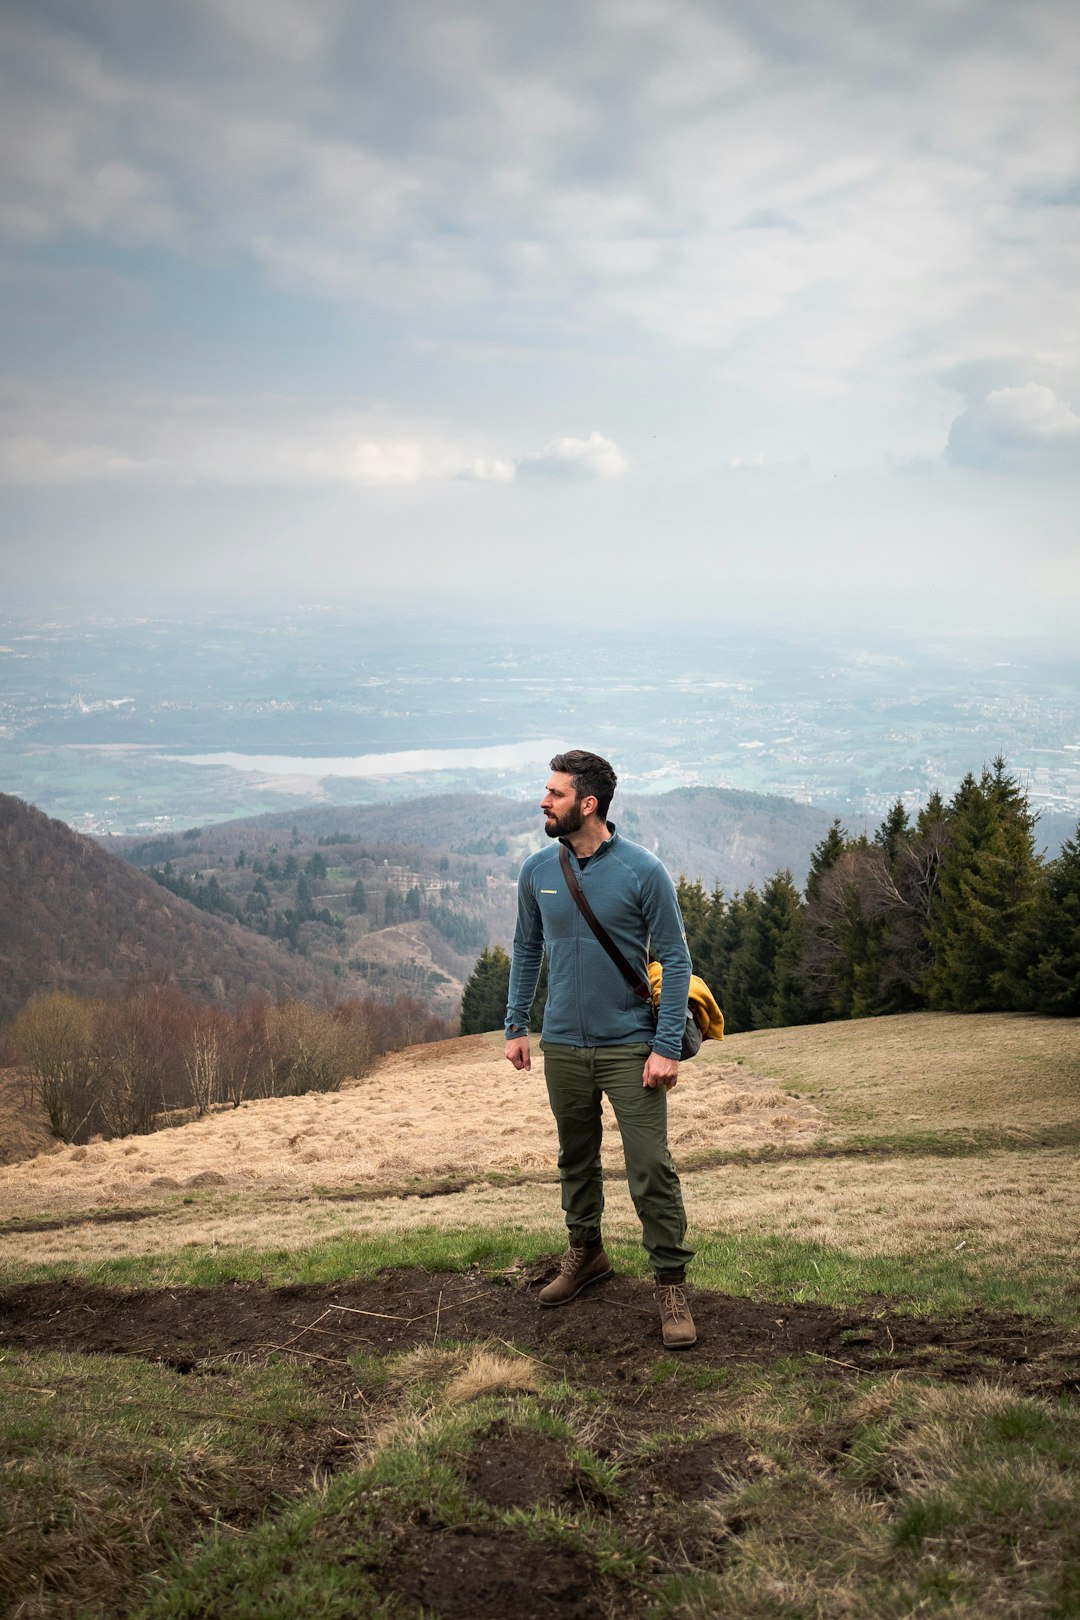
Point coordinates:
[[633, 304]]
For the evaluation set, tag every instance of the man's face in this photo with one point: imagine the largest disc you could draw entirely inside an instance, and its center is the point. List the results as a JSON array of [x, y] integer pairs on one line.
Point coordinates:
[[561, 806]]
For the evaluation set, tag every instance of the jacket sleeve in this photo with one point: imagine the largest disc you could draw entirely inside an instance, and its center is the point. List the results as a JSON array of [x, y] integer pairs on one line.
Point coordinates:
[[527, 958], [667, 942]]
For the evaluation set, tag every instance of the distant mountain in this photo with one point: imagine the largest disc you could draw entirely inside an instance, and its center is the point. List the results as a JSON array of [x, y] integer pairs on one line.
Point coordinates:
[[75, 917], [716, 834], [723, 836]]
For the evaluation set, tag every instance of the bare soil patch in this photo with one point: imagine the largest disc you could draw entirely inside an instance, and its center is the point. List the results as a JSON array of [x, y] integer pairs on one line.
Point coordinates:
[[680, 1462], [514, 1468], [699, 1469], [609, 1337], [470, 1572]]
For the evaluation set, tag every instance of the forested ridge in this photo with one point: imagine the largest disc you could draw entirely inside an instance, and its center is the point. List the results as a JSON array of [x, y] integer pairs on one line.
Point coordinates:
[[74, 917], [952, 911]]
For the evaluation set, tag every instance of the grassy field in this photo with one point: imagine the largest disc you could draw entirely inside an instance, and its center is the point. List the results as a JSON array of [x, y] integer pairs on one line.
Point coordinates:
[[288, 1362]]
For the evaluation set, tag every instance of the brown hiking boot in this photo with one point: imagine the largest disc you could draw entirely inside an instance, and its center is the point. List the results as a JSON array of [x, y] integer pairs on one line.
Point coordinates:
[[582, 1264], [676, 1323]]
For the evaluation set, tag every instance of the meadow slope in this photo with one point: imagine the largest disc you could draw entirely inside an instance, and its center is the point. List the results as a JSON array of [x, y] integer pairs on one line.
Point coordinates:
[[288, 1359]]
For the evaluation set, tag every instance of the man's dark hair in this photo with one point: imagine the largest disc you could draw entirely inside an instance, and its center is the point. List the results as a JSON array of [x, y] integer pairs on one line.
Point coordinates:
[[591, 774]]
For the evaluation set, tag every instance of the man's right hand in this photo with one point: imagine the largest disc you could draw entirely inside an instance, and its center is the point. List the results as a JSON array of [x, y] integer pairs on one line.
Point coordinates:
[[517, 1052]]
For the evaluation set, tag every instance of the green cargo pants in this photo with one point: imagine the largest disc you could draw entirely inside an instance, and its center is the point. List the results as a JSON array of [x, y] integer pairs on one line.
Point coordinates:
[[577, 1078]]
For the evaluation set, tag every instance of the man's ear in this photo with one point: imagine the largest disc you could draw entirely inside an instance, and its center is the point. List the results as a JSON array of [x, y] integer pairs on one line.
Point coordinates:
[[589, 804]]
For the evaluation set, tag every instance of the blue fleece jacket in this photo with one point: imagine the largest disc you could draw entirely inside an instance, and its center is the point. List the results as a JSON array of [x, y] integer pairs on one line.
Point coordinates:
[[589, 1002]]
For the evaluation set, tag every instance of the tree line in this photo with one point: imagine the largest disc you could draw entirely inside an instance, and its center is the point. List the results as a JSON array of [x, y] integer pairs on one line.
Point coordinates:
[[954, 911], [120, 1065]]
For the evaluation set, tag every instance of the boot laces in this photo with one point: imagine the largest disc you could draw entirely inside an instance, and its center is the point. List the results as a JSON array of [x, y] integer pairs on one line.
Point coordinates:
[[673, 1301], [572, 1260]]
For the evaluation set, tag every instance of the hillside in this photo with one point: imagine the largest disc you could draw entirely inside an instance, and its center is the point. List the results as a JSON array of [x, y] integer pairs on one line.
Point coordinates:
[[381, 898], [715, 834], [302, 1339], [722, 836], [75, 917]]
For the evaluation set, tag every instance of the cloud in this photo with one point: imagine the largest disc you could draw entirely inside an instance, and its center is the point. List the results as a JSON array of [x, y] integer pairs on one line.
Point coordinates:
[[483, 470], [71, 436], [447, 160], [1017, 428], [594, 457]]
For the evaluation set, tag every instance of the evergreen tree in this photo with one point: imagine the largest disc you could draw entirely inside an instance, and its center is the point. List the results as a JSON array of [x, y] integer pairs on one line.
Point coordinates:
[[390, 907], [412, 903], [893, 830], [825, 855], [744, 986], [358, 902], [782, 914], [305, 908], [1053, 978], [694, 905], [483, 1004], [315, 866], [981, 920]]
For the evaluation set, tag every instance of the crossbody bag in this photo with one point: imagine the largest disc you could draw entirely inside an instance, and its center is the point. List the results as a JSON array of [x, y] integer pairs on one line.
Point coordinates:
[[691, 1040]]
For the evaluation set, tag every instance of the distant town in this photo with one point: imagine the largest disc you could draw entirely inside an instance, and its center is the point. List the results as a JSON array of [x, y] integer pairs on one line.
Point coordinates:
[[130, 727]]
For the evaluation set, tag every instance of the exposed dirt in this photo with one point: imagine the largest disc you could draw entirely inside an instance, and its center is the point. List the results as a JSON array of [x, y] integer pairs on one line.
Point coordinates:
[[673, 1481], [508, 1468], [609, 1337], [466, 1572]]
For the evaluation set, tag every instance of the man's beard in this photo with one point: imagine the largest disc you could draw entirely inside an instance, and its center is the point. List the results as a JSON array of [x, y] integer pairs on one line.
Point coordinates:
[[570, 821]]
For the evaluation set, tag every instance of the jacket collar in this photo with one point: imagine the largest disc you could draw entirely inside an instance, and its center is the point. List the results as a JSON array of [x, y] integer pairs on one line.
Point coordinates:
[[600, 849]]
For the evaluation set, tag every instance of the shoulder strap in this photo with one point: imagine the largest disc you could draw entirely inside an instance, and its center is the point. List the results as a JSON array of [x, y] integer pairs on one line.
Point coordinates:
[[639, 987]]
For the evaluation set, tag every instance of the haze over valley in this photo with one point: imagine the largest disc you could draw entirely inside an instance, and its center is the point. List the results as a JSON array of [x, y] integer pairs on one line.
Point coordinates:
[[131, 725]]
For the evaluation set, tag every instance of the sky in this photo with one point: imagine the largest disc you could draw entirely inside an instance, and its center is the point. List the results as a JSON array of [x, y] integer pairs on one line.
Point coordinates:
[[624, 308]]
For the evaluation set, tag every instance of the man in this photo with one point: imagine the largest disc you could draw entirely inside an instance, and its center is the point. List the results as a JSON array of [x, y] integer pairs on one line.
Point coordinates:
[[598, 1037]]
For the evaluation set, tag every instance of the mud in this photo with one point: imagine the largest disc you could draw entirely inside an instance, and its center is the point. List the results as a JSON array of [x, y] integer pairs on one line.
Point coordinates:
[[609, 1337], [469, 1571]]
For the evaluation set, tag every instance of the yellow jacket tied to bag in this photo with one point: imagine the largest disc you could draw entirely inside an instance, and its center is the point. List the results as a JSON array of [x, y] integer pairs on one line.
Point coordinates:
[[701, 1001]]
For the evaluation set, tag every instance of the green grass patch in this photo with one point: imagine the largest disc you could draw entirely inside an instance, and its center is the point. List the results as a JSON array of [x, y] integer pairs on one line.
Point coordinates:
[[109, 1461], [774, 1267], [763, 1266], [875, 1497]]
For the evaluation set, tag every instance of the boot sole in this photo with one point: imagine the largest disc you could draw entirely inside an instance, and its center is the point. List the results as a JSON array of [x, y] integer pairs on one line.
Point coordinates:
[[687, 1344], [553, 1304]]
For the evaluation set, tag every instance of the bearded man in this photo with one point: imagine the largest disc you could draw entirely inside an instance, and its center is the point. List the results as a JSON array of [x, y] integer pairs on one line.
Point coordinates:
[[598, 1038]]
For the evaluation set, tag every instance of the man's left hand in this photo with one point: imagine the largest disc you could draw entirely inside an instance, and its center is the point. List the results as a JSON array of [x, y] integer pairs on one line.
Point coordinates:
[[661, 1071]]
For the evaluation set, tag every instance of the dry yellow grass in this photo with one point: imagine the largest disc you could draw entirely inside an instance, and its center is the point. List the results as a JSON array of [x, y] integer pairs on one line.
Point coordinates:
[[1007, 1201], [457, 1110], [926, 1071], [266, 1175]]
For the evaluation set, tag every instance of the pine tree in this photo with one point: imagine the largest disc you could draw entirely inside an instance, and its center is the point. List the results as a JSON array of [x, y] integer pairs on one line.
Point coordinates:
[[358, 902], [893, 830], [1053, 978], [782, 915], [744, 986], [695, 908], [483, 1004], [982, 911], [305, 908], [825, 855]]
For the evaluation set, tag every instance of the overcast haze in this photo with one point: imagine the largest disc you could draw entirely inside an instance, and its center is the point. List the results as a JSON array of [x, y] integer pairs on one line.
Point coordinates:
[[722, 306]]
